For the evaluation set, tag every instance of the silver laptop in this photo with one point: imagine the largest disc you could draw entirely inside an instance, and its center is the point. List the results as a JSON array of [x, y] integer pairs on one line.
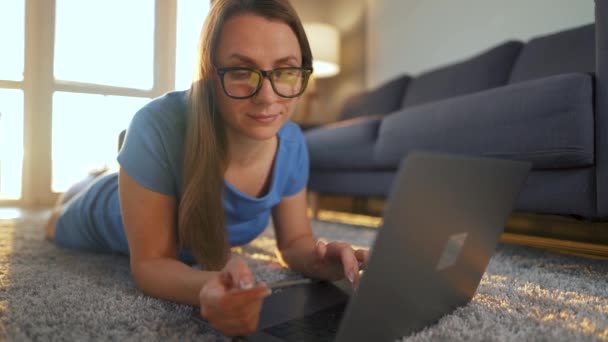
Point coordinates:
[[442, 221]]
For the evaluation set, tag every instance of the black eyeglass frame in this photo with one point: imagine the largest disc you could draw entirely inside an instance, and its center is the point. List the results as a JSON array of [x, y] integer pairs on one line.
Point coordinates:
[[264, 73]]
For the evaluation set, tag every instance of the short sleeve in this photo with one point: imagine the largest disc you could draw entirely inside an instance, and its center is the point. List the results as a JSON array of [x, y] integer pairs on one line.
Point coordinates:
[[144, 153], [299, 168]]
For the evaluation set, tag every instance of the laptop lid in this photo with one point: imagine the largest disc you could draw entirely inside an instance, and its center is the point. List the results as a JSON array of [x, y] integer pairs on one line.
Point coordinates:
[[443, 219]]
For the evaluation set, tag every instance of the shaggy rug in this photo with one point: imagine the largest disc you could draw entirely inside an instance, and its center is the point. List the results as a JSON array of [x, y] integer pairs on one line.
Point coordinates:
[[51, 294]]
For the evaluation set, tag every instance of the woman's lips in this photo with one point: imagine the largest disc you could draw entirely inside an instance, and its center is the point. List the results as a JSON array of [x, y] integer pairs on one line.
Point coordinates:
[[265, 119]]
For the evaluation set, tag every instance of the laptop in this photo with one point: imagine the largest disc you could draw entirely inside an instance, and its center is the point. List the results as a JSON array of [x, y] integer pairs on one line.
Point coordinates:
[[442, 222]]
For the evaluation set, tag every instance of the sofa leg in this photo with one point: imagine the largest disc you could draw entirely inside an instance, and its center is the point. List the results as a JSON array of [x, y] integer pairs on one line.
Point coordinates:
[[359, 205], [313, 204]]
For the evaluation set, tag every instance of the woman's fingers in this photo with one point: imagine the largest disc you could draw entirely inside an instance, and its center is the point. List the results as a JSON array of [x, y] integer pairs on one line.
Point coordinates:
[[235, 312], [362, 256], [239, 273], [245, 322], [243, 325], [350, 261], [210, 296], [237, 325], [350, 264], [237, 296], [220, 300], [321, 249], [341, 254], [231, 302], [237, 302]]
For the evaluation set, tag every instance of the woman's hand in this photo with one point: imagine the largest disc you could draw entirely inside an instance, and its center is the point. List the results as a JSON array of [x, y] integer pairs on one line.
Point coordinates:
[[230, 301], [337, 260]]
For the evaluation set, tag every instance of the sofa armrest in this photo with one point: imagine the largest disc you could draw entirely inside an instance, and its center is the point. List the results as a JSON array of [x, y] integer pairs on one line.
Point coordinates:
[[548, 122], [349, 122], [383, 99], [601, 105], [344, 144]]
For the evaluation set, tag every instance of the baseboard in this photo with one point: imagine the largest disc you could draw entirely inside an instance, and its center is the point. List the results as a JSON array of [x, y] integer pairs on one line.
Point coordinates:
[[589, 250], [556, 233], [348, 218]]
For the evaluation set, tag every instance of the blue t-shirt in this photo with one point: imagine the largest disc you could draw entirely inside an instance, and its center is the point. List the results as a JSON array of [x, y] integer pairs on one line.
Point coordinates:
[[152, 154]]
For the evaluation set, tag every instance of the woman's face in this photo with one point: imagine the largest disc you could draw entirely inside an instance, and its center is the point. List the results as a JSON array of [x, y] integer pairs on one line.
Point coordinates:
[[256, 42]]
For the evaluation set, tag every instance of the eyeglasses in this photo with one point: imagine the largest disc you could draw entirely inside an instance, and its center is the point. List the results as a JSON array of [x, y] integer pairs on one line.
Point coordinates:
[[242, 83]]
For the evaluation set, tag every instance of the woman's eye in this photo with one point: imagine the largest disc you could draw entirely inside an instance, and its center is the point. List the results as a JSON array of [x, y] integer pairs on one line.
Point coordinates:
[[240, 74], [287, 75]]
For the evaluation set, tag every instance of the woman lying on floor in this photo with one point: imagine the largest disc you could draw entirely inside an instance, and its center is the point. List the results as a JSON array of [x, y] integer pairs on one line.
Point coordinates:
[[203, 170]]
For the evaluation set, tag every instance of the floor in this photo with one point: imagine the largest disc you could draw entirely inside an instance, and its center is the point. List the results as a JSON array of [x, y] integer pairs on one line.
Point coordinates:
[[51, 294], [514, 234]]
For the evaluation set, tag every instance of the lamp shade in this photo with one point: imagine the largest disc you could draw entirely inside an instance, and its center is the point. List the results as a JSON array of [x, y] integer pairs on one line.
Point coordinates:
[[324, 42]]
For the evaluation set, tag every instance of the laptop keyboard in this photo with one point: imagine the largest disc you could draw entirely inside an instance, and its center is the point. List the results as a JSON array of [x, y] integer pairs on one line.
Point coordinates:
[[319, 326]]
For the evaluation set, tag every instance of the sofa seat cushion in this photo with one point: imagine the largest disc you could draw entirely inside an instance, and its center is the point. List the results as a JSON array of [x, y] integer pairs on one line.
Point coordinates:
[[548, 122], [487, 70], [347, 144], [352, 182]]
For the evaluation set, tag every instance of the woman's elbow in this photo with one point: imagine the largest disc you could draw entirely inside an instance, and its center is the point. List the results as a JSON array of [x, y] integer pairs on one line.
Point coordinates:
[[140, 270]]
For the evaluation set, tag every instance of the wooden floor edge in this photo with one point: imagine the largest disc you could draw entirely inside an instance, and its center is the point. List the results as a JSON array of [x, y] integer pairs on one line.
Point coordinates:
[[584, 249], [348, 218], [563, 246]]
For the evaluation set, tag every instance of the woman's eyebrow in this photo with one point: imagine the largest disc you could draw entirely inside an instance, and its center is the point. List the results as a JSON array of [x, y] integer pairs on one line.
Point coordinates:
[[248, 60], [286, 59], [241, 58]]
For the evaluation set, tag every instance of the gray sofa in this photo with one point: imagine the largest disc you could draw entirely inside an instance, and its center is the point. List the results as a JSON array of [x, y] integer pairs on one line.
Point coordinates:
[[544, 101]]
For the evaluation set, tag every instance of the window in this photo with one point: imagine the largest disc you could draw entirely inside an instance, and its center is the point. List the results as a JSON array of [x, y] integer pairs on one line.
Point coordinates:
[[85, 133], [88, 50], [109, 42], [11, 143], [110, 57], [190, 17], [12, 38]]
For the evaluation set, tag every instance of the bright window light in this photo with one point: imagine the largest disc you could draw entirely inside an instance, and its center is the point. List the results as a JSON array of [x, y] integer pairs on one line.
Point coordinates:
[[12, 33], [103, 42], [11, 143], [85, 133], [108, 42], [190, 17]]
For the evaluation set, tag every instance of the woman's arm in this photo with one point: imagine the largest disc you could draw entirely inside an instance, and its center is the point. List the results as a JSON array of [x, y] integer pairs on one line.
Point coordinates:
[[227, 299], [303, 253], [294, 234], [149, 219]]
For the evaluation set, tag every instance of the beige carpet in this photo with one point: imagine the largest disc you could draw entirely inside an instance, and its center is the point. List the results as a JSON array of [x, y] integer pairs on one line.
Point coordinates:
[[50, 294]]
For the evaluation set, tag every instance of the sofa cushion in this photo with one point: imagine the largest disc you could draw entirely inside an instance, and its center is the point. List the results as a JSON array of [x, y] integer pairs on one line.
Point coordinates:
[[351, 182], [487, 70], [382, 100], [548, 122], [563, 52], [345, 144], [563, 192]]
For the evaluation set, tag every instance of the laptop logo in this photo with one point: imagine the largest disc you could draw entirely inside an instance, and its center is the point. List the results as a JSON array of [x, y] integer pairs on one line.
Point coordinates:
[[451, 252]]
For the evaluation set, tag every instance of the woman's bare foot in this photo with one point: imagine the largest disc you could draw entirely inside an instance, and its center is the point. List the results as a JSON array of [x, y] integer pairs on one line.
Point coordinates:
[[50, 224], [68, 195]]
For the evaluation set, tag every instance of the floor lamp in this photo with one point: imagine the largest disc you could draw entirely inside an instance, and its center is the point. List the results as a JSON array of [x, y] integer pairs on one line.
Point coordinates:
[[324, 42]]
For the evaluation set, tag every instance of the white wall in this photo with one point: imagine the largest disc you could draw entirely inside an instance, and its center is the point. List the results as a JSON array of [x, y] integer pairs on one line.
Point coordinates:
[[412, 36]]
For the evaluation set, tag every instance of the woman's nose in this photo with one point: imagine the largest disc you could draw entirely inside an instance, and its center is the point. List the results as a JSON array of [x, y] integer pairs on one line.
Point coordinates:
[[266, 94]]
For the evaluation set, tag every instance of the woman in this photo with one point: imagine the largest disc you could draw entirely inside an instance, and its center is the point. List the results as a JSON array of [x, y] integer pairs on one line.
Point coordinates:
[[205, 169]]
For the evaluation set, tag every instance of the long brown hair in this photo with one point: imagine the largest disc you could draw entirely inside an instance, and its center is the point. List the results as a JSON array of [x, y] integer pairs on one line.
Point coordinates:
[[201, 223]]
